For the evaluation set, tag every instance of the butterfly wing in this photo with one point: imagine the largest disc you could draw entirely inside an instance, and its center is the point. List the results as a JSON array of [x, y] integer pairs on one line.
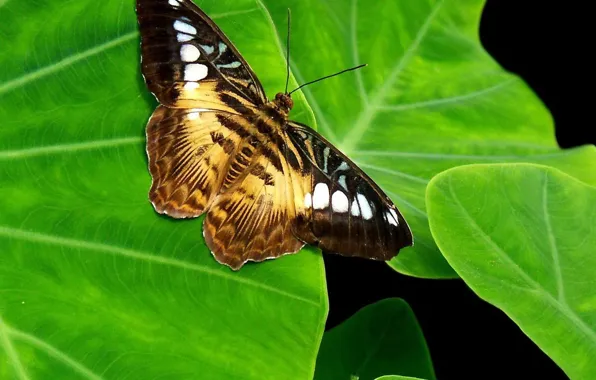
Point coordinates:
[[300, 189], [190, 154], [342, 210], [188, 62], [252, 220], [203, 84]]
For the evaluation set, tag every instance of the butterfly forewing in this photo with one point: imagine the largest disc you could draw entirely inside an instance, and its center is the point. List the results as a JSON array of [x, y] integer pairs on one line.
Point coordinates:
[[188, 62], [190, 152], [344, 211]]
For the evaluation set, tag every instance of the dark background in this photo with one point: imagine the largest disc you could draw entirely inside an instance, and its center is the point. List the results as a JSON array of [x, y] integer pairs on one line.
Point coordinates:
[[547, 44]]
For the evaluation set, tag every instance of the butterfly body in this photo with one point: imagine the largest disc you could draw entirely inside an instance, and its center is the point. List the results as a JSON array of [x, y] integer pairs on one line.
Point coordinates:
[[217, 145]]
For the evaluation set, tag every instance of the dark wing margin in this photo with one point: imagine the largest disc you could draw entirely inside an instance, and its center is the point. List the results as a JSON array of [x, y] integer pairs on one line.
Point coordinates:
[[343, 211], [186, 57]]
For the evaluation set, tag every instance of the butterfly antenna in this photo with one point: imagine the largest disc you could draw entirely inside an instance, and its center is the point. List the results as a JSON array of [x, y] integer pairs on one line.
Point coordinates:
[[288, 50], [327, 77]]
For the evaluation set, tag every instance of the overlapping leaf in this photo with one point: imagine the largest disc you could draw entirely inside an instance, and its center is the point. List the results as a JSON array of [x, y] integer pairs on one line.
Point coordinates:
[[522, 237], [379, 339]]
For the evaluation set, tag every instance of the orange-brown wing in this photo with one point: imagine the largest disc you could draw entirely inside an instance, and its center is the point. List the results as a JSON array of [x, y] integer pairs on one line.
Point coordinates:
[[190, 153], [188, 62], [252, 219]]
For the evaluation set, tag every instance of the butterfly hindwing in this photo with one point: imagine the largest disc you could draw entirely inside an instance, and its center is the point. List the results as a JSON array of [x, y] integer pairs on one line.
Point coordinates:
[[187, 61], [252, 220], [343, 211]]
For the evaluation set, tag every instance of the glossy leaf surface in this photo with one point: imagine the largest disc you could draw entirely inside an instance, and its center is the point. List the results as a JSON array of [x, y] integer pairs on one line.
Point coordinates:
[[381, 338], [522, 237]]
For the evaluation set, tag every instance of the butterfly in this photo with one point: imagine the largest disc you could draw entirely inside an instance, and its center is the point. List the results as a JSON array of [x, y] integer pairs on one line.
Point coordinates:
[[217, 145]]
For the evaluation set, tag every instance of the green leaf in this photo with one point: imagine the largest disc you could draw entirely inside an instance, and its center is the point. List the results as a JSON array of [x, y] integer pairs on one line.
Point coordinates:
[[430, 99], [522, 237], [93, 283], [395, 377], [381, 338]]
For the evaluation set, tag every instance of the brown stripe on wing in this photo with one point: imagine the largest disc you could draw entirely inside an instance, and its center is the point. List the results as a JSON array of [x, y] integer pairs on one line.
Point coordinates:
[[252, 219], [189, 154]]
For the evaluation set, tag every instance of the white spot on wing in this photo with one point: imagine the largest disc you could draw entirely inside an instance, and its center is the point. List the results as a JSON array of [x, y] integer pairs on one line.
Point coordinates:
[[174, 3], [339, 202], [194, 115], [183, 27], [321, 196], [208, 49], [189, 86], [232, 65], [189, 53], [308, 200], [194, 72], [354, 210], [343, 166], [367, 212], [181, 37], [342, 182], [394, 215], [391, 219], [325, 158]]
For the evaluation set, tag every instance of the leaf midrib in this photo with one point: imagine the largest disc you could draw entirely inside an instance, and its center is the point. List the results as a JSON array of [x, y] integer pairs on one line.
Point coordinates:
[[371, 108]]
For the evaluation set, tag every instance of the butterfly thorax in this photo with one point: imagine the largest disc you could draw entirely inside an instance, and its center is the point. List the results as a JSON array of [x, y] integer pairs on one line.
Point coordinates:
[[274, 114]]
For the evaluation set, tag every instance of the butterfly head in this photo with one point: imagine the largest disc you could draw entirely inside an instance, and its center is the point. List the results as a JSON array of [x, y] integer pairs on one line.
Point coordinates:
[[283, 102]]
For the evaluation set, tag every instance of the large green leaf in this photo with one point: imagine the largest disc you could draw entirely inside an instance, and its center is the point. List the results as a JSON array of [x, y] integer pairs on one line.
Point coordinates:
[[396, 377], [93, 283], [379, 339], [430, 99], [522, 237]]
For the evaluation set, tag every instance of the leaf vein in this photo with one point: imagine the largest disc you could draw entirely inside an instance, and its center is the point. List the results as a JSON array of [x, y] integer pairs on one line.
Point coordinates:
[[553, 243], [144, 256], [11, 352], [449, 100], [54, 352], [64, 148], [66, 62], [355, 52], [370, 111], [395, 172]]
